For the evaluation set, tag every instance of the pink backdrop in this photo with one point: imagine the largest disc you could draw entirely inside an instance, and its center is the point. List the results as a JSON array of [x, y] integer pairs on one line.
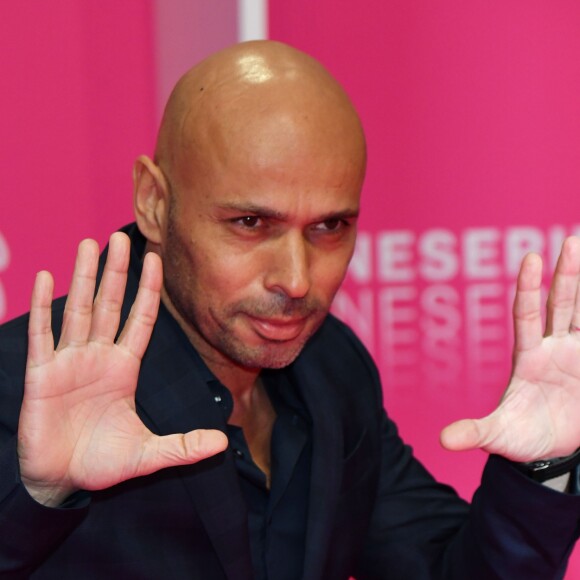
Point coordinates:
[[77, 107], [82, 90], [473, 124], [473, 128]]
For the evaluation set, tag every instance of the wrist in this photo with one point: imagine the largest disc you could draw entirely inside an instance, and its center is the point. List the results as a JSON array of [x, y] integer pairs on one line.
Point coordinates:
[[47, 495]]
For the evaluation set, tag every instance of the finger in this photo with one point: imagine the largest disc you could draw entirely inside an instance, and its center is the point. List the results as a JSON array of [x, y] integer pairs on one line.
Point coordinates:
[[79, 303], [563, 291], [490, 434], [109, 299], [527, 304], [137, 331], [575, 326], [180, 449], [40, 339]]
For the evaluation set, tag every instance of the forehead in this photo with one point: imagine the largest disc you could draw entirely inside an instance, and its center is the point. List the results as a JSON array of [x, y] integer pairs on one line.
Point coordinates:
[[278, 169], [262, 142], [285, 140]]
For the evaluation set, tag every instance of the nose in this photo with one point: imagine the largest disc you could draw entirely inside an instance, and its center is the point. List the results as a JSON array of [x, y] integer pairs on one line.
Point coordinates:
[[289, 268]]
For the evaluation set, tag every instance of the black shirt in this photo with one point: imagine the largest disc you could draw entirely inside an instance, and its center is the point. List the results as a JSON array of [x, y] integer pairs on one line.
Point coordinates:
[[277, 517]]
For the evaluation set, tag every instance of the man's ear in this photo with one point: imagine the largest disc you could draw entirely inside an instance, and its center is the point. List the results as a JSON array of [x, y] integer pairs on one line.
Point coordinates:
[[150, 199]]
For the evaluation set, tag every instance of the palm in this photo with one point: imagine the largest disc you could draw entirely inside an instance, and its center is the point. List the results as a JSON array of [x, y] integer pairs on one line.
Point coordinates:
[[86, 408], [80, 397], [537, 416]]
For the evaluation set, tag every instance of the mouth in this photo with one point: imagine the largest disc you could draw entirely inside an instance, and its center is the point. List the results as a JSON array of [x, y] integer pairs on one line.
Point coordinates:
[[278, 329]]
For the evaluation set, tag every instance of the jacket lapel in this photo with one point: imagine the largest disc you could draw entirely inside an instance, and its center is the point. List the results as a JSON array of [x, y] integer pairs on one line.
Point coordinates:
[[175, 399], [327, 450]]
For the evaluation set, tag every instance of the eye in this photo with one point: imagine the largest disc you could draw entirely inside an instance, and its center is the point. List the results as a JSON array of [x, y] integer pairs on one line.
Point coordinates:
[[248, 221], [331, 225]]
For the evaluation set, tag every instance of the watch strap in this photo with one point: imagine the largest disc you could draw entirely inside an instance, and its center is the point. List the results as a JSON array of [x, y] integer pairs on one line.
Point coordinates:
[[544, 469]]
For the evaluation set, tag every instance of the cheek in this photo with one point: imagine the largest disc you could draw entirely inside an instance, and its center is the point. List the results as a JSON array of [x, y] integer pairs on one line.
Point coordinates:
[[328, 274], [230, 275]]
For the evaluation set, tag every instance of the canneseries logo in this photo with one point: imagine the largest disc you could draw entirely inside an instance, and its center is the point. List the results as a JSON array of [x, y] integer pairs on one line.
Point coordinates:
[[435, 305], [4, 261]]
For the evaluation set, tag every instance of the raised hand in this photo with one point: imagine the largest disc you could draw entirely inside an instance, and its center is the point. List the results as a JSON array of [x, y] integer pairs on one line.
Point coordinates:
[[78, 427], [539, 414]]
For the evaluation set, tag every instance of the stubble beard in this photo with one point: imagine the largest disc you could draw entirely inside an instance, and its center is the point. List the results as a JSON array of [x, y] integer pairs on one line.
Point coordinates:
[[269, 355], [218, 331], [210, 330]]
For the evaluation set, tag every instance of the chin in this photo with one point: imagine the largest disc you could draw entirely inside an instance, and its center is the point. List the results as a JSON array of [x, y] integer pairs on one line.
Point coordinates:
[[267, 356]]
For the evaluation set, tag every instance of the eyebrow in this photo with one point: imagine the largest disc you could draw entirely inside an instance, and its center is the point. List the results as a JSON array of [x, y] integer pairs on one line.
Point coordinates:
[[268, 212]]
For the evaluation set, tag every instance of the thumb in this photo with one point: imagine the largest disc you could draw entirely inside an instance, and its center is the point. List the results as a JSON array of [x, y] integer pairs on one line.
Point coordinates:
[[463, 435], [180, 449]]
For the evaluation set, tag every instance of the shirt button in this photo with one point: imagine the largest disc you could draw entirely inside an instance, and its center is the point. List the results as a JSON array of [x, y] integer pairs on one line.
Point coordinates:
[[239, 453]]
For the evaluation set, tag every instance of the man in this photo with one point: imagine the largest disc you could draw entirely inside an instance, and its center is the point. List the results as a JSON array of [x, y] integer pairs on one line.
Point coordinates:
[[113, 458]]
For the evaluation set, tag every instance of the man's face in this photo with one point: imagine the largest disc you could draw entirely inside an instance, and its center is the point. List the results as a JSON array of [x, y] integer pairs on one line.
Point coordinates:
[[258, 241]]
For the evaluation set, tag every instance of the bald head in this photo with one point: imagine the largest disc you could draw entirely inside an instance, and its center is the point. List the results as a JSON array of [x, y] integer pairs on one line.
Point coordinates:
[[252, 203], [243, 98]]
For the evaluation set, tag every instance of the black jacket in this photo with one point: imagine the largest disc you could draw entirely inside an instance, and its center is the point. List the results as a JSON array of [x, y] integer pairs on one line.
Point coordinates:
[[374, 511]]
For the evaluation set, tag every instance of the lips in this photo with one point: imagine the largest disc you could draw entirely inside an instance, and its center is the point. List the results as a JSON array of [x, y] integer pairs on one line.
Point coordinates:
[[277, 329]]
